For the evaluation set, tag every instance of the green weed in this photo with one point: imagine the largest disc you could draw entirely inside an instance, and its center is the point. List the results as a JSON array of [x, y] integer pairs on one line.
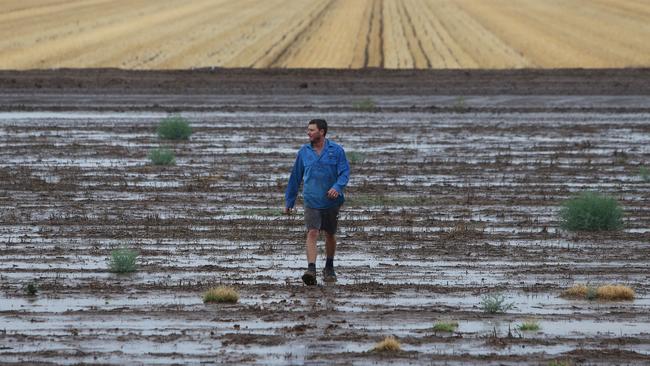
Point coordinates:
[[174, 128], [529, 326], [123, 260], [591, 212], [445, 326], [162, 156], [495, 303]]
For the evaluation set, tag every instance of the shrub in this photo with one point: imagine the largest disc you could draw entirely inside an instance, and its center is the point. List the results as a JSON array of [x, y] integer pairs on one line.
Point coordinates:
[[355, 157], [389, 344], [31, 289], [530, 326], [174, 128], [364, 105], [162, 157], [221, 294], [445, 326], [607, 292], [123, 260], [591, 212], [495, 303]]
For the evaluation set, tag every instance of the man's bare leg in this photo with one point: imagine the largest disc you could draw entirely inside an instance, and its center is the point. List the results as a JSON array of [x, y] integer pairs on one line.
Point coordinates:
[[330, 249], [330, 245], [312, 237], [309, 278]]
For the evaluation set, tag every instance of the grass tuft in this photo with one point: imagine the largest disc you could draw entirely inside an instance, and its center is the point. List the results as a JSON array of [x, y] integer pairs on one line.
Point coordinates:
[[615, 292], [174, 128], [221, 294], [123, 260], [607, 292], [529, 326], [445, 326], [388, 344], [591, 212], [365, 105], [495, 303], [162, 157]]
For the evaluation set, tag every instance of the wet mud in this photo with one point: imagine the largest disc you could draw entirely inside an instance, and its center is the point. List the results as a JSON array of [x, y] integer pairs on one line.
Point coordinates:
[[443, 209]]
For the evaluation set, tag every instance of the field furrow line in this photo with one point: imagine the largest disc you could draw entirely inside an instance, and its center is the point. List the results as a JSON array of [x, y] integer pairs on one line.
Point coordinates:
[[362, 41], [300, 36], [333, 42], [422, 59], [276, 35]]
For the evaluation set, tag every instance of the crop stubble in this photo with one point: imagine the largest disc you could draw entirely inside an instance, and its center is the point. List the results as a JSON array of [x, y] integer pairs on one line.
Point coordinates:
[[147, 34]]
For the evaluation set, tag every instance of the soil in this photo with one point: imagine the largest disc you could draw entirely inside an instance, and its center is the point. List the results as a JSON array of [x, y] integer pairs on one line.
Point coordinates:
[[446, 206]]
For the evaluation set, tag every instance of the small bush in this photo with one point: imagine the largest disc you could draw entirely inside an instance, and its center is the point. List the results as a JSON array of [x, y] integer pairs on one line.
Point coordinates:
[[364, 105], [221, 294], [591, 212], [31, 289], [162, 157], [123, 260], [174, 128], [445, 327], [529, 326], [495, 303], [644, 173], [389, 344], [607, 292]]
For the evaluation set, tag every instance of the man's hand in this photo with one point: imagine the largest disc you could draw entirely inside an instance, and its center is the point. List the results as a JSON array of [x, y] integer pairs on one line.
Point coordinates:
[[332, 194], [288, 210]]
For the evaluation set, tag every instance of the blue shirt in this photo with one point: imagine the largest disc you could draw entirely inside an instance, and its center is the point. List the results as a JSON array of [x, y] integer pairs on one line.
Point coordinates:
[[321, 172]]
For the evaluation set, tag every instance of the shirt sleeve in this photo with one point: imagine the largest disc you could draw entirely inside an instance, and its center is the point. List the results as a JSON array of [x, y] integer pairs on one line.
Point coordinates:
[[294, 182], [343, 171]]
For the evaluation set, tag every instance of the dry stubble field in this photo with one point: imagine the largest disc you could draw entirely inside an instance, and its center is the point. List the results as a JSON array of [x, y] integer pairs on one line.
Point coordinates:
[[167, 34]]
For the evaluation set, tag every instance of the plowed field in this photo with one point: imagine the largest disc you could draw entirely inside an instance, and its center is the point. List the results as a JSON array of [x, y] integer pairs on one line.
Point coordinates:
[[446, 205], [404, 34]]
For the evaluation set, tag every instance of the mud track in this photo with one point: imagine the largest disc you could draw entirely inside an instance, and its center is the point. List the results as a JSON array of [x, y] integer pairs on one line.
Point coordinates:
[[446, 205]]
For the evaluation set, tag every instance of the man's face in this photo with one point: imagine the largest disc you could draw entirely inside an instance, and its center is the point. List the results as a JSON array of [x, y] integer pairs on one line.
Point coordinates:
[[315, 135]]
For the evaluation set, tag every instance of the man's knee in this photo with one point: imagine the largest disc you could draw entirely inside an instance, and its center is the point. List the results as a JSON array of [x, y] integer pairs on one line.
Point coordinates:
[[312, 233], [329, 236]]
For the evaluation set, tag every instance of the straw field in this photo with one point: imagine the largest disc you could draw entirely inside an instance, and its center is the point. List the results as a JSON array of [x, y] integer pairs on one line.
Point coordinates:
[[402, 34]]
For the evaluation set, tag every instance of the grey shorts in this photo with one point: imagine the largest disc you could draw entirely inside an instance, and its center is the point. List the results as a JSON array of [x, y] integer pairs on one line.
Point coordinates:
[[322, 219]]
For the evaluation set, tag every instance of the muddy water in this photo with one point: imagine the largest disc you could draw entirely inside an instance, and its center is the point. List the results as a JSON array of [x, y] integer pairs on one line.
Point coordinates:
[[442, 210]]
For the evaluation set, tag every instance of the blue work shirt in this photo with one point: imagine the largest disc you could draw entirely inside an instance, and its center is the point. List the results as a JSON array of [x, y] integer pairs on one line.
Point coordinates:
[[321, 172]]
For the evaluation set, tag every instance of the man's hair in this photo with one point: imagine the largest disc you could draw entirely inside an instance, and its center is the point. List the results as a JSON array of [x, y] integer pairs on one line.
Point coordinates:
[[320, 124]]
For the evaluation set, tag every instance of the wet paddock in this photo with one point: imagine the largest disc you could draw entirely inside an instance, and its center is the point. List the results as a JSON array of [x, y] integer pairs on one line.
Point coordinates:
[[441, 210]]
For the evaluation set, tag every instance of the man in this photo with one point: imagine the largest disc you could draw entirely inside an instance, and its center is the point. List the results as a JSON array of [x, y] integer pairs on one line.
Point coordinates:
[[325, 169]]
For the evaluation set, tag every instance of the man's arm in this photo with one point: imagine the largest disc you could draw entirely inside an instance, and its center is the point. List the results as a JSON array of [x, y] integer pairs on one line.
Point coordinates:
[[294, 184]]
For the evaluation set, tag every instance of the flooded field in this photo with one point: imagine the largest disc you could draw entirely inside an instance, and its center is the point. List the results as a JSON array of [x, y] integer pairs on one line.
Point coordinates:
[[442, 210]]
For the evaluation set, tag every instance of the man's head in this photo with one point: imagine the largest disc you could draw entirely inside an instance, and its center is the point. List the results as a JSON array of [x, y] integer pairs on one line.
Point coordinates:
[[316, 130]]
